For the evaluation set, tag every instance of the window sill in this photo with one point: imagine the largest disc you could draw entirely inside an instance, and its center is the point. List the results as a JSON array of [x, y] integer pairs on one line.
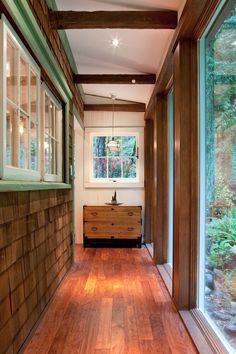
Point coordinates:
[[201, 332], [114, 185], [165, 272], [20, 186]]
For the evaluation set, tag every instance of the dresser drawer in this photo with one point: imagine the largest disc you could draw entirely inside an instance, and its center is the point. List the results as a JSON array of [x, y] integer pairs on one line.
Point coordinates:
[[116, 214], [101, 230]]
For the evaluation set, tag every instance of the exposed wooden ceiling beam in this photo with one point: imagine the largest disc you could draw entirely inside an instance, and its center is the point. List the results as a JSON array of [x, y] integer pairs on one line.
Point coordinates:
[[160, 19], [115, 79], [136, 107]]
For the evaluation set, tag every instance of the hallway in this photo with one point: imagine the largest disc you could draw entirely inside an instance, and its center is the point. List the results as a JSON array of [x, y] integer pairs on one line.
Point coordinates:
[[112, 301]]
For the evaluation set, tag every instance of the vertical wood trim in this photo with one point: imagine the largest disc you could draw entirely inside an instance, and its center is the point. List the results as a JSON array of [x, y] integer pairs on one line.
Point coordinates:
[[165, 180], [154, 182], [185, 172], [147, 177], [194, 176], [160, 181]]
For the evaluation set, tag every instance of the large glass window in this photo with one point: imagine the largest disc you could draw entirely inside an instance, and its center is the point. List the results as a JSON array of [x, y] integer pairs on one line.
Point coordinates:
[[121, 164], [217, 288]]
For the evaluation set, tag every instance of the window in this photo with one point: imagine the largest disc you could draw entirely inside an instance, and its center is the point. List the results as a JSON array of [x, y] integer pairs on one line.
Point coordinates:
[[106, 169], [217, 268], [31, 117], [20, 111], [115, 165], [52, 137]]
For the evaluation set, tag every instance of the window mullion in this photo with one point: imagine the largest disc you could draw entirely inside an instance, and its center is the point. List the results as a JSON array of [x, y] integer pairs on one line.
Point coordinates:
[[29, 118], [107, 164], [17, 145], [54, 140]]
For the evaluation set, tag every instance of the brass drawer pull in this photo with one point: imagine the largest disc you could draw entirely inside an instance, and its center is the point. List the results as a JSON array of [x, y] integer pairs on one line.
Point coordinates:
[[130, 229], [94, 228], [112, 209], [130, 213], [94, 214]]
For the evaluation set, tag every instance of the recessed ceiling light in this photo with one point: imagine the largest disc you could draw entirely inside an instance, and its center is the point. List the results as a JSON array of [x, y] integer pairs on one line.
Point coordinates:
[[133, 81], [115, 42]]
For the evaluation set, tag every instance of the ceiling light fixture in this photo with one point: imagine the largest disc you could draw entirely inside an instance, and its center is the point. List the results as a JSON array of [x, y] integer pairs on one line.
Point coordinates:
[[115, 42], [112, 145], [133, 81]]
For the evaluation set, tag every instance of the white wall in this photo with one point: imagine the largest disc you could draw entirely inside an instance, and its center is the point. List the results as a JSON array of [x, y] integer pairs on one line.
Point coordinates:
[[79, 183], [85, 196]]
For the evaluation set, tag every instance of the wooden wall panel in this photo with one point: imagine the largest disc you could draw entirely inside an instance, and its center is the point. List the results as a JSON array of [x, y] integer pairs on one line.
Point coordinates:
[[185, 174], [160, 181], [148, 137]]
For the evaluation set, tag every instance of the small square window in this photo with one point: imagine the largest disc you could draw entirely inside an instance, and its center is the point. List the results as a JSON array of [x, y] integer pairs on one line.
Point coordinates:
[[104, 166], [120, 164]]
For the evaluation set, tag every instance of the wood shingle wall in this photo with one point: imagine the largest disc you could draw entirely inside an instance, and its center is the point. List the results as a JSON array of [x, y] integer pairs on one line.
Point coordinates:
[[35, 230], [35, 254]]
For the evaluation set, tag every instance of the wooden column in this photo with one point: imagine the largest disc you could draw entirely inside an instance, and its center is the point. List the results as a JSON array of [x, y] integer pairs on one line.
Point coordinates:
[[148, 138], [185, 174], [160, 181]]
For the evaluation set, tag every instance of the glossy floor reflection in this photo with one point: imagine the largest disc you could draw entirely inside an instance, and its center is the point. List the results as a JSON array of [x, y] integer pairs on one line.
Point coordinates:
[[112, 301]]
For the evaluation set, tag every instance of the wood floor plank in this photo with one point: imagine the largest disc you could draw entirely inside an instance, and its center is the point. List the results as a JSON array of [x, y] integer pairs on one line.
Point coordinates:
[[104, 325], [113, 301]]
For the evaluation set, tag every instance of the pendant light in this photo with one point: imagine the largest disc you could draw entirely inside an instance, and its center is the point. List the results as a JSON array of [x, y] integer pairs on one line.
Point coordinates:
[[113, 145]]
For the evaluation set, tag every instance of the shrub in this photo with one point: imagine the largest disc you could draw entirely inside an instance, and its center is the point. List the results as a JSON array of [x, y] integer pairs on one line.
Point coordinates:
[[221, 241]]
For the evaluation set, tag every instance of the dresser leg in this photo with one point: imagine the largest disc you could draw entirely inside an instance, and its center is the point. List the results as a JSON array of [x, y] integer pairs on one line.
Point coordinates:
[[140, 242], [86, 242]]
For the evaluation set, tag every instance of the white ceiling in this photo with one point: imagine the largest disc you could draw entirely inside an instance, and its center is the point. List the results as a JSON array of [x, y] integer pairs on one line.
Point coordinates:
[[140, 51]]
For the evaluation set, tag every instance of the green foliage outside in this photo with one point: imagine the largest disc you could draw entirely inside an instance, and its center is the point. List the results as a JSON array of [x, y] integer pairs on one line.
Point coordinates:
[[221, 241], [223, 194]]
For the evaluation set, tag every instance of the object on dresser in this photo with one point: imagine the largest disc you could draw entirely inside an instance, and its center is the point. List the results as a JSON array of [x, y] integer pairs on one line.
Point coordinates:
[[112, 226], [113, 200]]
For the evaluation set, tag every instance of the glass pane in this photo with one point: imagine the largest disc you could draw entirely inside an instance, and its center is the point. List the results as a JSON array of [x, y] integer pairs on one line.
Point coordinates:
[[53, 124], [220, 180], [114, 167], [34, 121], [100, 168], [128, 146], [118, 140], [11, 71], [58, 129], [53, 157], [47, 115], [24, 85], [129, 167], [99, 146], [11, 136], [24, 142], [47, 154]]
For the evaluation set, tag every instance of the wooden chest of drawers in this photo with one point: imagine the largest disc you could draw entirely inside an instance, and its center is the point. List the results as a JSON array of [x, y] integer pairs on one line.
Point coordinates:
[[112, 224]]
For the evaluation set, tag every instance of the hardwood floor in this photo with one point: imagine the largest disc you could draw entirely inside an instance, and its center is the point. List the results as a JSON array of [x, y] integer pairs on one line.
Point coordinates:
[[112, 302]]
